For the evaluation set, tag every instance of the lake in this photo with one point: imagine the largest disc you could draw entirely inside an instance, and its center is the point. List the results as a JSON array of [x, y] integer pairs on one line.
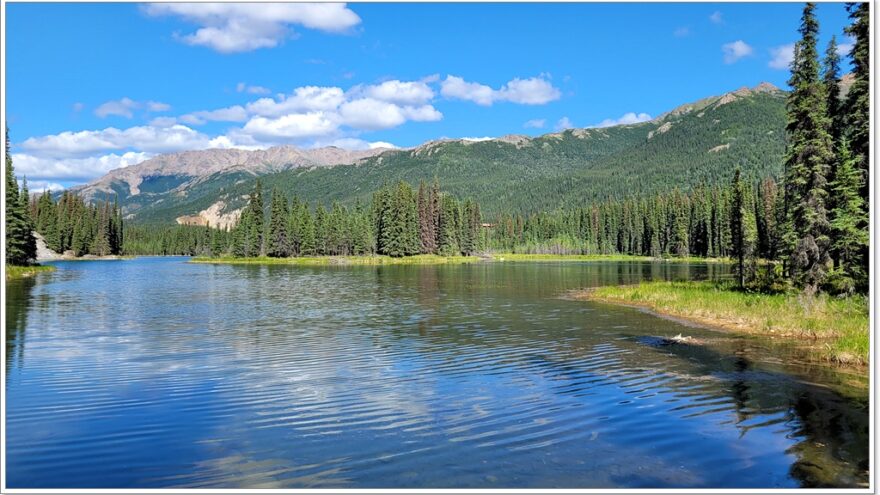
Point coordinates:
[[154, 372]]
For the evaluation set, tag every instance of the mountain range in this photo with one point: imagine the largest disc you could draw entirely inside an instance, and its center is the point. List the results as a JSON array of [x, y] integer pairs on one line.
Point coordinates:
[[699, 142]]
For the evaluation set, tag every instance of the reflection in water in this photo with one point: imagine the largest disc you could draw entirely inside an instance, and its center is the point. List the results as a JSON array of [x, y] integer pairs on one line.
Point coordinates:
[[404, 376], [18, 300]]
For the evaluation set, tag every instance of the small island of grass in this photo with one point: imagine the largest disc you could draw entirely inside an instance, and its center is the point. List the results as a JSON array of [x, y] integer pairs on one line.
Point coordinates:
[[827, 328]]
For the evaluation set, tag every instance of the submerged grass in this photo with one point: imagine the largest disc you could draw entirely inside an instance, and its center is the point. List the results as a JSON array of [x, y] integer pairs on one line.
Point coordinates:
[[14, 272], [423, 259], [827, 328]]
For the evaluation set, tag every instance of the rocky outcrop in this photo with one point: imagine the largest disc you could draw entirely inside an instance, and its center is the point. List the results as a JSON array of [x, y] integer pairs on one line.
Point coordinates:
[[43, 251]]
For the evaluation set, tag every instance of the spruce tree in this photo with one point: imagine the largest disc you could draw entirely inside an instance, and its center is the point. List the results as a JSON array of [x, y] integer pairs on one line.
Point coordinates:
[[850, 238], [21, 246], [858, 99], [807, 162], [278, 242]]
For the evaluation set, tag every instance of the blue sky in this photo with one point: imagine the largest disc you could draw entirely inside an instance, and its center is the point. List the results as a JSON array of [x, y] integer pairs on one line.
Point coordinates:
[[91, 87]]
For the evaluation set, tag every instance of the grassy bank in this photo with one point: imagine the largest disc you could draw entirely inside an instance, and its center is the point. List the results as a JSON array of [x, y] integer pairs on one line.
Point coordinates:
[[600, 257], [826, 328], [424, 259], [14, 272]]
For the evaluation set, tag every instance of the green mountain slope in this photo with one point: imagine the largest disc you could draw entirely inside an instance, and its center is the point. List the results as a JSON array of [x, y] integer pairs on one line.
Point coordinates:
[[697, 143]]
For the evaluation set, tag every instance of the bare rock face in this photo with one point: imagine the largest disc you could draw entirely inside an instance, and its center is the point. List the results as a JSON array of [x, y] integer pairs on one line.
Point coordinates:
[[43, 251], [213, 216], [202, 163]]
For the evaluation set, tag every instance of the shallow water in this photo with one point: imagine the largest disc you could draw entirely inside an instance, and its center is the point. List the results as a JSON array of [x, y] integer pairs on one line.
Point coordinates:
[[157, 373]]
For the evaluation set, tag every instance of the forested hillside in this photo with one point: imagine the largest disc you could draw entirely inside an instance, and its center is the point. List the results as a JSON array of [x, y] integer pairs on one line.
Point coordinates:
[[697, 143]]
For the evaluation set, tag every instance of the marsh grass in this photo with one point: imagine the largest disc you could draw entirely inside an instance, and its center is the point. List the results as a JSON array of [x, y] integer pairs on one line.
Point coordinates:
[[14, 272], [827, 328]]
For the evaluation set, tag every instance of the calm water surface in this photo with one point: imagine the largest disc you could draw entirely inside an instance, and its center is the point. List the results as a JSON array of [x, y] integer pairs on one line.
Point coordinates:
[[156, 373]]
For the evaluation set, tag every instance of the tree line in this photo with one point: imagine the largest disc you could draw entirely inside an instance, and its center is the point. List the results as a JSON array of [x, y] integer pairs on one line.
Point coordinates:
[[398, 221], [70, 224]]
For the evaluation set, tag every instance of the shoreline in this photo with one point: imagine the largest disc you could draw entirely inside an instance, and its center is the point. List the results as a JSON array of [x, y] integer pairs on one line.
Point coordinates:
[[780, 319], [432, 259]]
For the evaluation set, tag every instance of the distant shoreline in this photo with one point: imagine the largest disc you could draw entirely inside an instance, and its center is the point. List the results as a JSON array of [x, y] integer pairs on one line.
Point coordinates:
[[430, 259]]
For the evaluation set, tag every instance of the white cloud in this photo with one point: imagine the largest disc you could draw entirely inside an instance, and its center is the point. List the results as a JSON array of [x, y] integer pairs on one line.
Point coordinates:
[[735, 50], [125, 107], [254, 90], [625, 119], [163, 121], [70, 144], [781, 56], [716, 17], [78, 107], [532, 91], [242, 27], [382, 144], [235, 113], [400, 92], [293, 126], [457, 88], [39, 186], [370, 114], [477, 139], [122, 108], [563, 124], [535, 123], [45, 170], [155, 106], [845, 46], [681, 32], [303, 99]]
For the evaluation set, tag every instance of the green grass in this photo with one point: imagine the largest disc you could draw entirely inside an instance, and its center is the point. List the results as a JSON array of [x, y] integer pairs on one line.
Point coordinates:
[[14, 272], [600, 257], [424, 259], [827, 328]]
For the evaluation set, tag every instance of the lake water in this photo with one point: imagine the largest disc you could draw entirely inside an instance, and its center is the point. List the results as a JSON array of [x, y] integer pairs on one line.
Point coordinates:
[[157, 373]]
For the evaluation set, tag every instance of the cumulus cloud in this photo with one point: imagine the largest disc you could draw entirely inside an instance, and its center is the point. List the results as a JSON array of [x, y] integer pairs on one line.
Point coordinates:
[[625, 119], [292, 126], [254, 90], [400, 92], [243, 27], [531, 91], [38, 186], [735, 50], [46, 170], [781, 56], [125, 107], [78, 107], [70, 144], [716, 17], [303, 99], [535, 124]]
